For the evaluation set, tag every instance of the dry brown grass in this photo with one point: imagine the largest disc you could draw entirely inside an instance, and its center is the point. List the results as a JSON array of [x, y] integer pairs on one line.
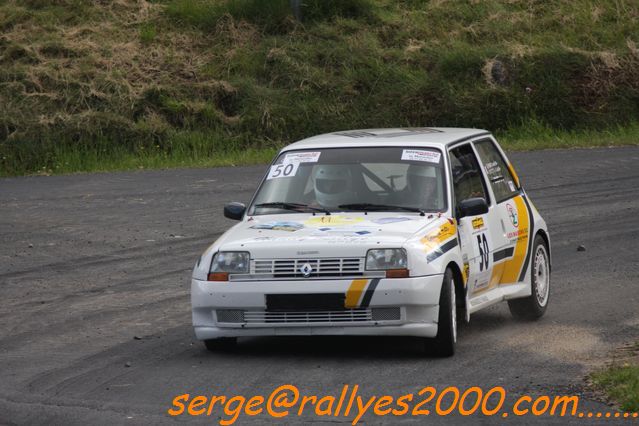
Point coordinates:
[[632, 46], [80, 68]]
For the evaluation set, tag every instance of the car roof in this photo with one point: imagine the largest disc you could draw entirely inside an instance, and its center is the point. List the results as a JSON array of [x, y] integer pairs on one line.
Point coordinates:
[[400, 136]]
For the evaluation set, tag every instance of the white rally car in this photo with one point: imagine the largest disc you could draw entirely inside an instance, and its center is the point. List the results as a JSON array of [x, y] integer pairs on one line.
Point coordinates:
[[375, 232]]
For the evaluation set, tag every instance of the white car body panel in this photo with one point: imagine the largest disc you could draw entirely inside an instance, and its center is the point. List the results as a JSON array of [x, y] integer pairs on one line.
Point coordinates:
[[433, 242]]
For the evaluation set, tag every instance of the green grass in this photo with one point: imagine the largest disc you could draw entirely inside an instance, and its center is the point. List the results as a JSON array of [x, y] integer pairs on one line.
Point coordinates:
[[272, 16], [184, 149], [621, 384], [114, 81], [534, 135], [148, 32], [92, 161], [194, 149]]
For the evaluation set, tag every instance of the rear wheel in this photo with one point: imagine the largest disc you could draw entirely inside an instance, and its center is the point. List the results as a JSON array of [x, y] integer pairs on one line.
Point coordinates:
[[534, 306], [444, 342], [220, 344]]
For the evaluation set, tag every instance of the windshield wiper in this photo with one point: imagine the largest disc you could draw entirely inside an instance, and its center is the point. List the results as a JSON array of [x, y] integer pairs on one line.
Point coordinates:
[[292, 206], [380, 207]]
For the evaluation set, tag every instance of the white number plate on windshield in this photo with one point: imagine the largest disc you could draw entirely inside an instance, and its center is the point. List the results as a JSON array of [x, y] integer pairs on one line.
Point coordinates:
[[283, 170]]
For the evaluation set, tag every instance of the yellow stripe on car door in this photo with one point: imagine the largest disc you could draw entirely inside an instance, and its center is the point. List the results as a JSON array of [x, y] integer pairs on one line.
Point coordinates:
[[512, 267]]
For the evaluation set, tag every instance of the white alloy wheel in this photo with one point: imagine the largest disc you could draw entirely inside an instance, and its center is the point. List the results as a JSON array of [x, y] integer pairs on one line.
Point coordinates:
[[534, 306], [542, 277]]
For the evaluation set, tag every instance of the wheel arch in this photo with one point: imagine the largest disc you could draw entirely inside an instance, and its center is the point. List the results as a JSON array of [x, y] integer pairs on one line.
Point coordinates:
[[544, 235], [460, 288]]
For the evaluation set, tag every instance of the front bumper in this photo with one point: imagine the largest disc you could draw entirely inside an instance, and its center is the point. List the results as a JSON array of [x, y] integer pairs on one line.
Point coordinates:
[[414, 300]]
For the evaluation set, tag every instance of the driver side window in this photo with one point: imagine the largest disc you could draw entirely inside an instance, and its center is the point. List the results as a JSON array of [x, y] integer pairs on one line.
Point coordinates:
[[467, 178]]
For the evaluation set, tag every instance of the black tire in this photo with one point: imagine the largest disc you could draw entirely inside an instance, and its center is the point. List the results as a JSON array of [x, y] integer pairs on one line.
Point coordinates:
[[221, 344], [443, 345], [534, 306]]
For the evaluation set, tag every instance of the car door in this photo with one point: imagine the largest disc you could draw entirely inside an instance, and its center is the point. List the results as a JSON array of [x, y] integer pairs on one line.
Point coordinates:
[[475, 232], [511, 210]]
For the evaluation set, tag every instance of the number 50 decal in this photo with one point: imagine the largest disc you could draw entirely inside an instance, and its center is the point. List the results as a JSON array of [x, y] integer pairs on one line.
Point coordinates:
[[282, 170], [483, 252]]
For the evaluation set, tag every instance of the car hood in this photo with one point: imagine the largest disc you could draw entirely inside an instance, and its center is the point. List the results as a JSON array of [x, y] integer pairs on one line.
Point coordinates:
[[337, 235]]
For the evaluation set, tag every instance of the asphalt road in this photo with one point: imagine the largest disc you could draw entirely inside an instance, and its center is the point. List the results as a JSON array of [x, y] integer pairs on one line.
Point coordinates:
[[94, 299]]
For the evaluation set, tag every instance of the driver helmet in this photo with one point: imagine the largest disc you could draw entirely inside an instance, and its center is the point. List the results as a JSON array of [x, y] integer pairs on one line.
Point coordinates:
[[333, 185]]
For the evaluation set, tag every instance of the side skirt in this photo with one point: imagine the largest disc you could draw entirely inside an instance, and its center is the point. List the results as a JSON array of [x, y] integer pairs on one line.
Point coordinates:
[[498, 294]]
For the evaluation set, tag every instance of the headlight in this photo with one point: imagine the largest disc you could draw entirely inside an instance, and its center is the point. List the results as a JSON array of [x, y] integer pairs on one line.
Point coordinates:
[[228, 262], [384, 259]]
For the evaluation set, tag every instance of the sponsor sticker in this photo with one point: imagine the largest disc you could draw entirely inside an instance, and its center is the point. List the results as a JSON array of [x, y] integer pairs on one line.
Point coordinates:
[[354, 231], [437, 236], [282, 170], [466, 271], [446, 231], [493, 169], [421, 155], [302, 157], [478, 223], [279, 226], [332, 220], [512, 213], [511, 185], [520, 234]]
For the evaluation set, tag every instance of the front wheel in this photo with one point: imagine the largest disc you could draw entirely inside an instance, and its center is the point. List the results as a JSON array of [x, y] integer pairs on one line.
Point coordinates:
[[444, 342], [533, 307]]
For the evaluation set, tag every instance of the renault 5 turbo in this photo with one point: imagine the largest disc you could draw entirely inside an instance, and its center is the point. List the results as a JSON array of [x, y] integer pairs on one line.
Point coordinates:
[[403, 232]]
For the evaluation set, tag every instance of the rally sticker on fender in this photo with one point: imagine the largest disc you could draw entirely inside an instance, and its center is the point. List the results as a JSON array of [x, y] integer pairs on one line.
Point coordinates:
[[282, 170], [421, 155], [302, 157]]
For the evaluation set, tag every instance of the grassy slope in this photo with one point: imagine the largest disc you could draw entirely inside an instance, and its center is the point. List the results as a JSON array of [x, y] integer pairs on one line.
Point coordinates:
[[88, 85]]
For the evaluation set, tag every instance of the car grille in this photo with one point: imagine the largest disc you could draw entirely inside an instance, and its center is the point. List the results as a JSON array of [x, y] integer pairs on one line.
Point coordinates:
[[239, 316], [319, 268]]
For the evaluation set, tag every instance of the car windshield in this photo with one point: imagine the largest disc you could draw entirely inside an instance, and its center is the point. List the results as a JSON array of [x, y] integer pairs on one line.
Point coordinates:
[[353, 179]]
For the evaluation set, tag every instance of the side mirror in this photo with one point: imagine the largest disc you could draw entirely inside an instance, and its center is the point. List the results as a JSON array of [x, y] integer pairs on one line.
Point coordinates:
[[472, 207], [234, 210]]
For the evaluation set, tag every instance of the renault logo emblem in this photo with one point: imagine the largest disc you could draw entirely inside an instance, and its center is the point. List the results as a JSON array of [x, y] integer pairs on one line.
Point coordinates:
[[306, 269]]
